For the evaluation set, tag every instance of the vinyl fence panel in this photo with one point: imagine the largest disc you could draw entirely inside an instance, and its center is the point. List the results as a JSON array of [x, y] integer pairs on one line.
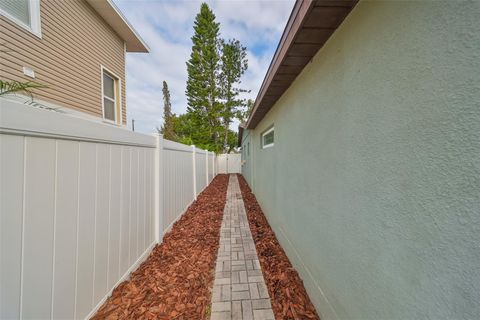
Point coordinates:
[[229, 163], [200, 170], [11, 216], [222, 163], [211, 166], [81, 205], [73, 215], [177, 181]]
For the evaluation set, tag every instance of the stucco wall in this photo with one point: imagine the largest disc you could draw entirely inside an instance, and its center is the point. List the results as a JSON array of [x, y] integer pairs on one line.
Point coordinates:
[[247, 155], [373, 185]]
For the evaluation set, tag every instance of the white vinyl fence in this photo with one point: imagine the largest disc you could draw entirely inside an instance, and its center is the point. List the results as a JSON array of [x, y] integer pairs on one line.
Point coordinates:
[[81, 205], [229, 163], [186, 172]]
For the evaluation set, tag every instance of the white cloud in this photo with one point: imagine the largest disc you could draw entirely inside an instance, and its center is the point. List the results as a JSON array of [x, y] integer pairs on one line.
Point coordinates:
[[166, 26]]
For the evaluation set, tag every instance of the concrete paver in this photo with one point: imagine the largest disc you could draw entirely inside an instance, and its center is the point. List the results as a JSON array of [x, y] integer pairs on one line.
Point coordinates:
[[239, 290]]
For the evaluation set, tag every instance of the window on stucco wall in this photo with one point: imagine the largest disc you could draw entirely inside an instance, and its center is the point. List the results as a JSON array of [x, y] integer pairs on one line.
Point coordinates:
[[268, 138]]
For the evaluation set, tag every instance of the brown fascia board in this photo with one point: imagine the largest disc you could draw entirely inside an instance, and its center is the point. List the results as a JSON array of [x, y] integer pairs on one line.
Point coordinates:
[[310, 25], [299, 11]]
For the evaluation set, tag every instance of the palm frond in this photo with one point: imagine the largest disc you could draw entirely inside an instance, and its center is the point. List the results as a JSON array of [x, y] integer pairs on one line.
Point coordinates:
[[7, 87]]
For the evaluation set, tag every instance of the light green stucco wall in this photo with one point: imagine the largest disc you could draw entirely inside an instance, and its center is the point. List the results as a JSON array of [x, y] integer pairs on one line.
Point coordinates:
[[373, 185]]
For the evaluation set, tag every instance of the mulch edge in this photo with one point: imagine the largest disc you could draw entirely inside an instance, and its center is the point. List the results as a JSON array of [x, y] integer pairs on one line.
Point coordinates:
[[147, 295], [288, 295]]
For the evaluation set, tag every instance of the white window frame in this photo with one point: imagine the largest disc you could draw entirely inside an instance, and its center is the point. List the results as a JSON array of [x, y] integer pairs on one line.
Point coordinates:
[[118, 104], [264, 146], [35, 23]]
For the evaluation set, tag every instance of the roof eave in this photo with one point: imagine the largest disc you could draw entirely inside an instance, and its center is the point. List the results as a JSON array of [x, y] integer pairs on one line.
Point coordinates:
[[117, 21], [310, 25], [296, 15]]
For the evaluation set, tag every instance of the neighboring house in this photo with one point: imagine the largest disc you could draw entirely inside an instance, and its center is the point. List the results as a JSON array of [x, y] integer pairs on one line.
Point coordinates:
[[77, 48], [363, 150]]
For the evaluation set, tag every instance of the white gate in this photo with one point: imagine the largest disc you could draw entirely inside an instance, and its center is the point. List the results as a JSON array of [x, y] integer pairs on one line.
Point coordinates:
[[229, 163]]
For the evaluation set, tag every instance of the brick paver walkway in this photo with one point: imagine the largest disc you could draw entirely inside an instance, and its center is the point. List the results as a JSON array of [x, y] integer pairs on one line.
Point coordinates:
[[239, 291]]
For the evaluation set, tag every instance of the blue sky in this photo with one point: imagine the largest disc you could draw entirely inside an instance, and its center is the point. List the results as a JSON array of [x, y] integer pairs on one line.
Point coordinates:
[[167, 26]]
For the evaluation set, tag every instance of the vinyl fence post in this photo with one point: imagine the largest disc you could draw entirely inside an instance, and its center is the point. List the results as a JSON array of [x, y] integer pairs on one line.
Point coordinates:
[[213, 165], [194, 173], [159, 197], [206, 167], [228, 169]]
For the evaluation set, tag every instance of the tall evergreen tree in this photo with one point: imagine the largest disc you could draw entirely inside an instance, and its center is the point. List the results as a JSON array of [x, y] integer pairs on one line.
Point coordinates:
[[214, 69], [234, 63], [202, 84], [168, 118], [243, 114]]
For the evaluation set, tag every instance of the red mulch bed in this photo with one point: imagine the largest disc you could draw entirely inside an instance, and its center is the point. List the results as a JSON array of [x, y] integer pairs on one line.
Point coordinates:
[[289, 298], [175, 281]]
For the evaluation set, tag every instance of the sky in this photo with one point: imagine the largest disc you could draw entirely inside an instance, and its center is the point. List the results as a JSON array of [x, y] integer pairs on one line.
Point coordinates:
[[167, 26]]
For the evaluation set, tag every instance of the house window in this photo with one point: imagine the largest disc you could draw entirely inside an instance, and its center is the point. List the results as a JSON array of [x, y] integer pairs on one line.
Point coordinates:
[[111, 97], [25, 13], [268, 138]]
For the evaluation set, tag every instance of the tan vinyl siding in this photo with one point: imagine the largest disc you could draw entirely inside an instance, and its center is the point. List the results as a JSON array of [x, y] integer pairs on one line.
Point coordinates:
[[75, 43]]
